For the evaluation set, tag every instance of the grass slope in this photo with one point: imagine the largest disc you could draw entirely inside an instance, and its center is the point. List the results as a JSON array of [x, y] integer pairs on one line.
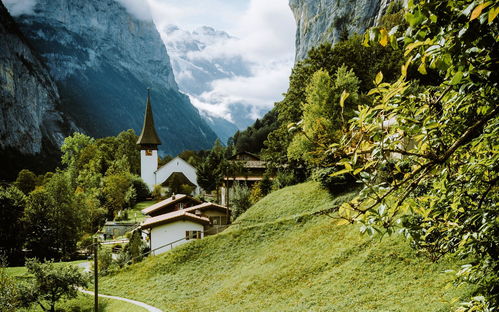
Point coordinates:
[[278, 258]]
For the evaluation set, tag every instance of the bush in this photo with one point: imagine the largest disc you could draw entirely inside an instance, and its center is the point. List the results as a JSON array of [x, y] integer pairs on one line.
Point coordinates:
[[240, 199], [334, 184], [141, 189], [283, 179]]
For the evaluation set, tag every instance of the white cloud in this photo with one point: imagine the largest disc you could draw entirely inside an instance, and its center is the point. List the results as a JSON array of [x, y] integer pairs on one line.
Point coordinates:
[[138, 8], [265, 32], [19, 7]]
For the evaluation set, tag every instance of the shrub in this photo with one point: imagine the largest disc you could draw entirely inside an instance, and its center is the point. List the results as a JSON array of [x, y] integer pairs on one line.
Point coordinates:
[[334, 184], [240, 199]]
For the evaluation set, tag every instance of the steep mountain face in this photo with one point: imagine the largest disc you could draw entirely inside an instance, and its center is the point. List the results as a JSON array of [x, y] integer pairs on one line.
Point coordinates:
[[30, 124], [103, 59], [321, 21], [196, 67]]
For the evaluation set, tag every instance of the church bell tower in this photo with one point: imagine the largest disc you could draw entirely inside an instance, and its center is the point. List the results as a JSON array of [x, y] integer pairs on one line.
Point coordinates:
[[148, 142]]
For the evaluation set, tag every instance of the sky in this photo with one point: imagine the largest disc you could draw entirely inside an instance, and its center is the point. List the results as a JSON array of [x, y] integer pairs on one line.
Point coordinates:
[[265, 32]]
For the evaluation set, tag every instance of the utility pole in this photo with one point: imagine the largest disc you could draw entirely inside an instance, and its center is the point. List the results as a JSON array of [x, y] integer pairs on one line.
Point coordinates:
[[96, 275], [228, 191]]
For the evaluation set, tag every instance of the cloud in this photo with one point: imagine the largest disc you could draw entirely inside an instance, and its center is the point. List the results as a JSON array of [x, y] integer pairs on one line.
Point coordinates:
[[262, 35], [138, 8], [19, 7]]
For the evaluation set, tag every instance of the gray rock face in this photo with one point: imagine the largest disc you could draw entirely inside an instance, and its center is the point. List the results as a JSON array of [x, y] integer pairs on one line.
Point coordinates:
[[103, 59], [29, 98], [321, 21]]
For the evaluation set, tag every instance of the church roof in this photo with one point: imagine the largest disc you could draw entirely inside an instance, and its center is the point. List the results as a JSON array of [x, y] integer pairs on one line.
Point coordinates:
[[148, 135]]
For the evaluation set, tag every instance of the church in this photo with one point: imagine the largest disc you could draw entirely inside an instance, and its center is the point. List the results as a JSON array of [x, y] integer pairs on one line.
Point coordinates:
[[177, 168]]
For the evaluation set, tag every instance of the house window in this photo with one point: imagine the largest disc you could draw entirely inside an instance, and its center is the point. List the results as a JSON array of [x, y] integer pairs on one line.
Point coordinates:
[[192, 235]]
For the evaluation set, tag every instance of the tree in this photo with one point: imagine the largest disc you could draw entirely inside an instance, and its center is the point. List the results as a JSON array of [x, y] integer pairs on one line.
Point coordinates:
[[428, 154], [211, 171], [51, 283], [12, 204], [53, 221], [329, 104], [240, 199], [26, 181]]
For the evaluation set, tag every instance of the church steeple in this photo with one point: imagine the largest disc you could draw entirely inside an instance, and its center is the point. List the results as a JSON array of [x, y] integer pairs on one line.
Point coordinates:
[[148, 139]]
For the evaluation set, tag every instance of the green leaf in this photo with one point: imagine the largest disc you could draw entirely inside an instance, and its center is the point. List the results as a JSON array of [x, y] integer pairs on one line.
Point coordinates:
[[457, 78]]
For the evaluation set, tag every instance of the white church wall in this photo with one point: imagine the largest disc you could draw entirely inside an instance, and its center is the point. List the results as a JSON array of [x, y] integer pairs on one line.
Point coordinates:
[[148, 166], [178, 165], [171, 232]]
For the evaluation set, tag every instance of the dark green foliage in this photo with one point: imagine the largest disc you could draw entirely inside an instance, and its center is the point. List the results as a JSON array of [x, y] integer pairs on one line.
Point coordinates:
[[26, 181], [334, 184], [141, 188], [12, 203], [212, 170], [53, 224], [252, 139], [239, 199], [50, 284]]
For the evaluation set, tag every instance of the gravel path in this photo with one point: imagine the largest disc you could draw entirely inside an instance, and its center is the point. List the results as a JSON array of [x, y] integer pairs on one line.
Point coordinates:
[[138, 303]]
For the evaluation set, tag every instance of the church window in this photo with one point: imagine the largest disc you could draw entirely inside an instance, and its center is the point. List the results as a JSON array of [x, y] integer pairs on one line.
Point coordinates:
[[148, 152]]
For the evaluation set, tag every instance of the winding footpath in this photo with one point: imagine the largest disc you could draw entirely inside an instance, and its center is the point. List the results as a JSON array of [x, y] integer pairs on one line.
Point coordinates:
[[86, 267], [138, 303]]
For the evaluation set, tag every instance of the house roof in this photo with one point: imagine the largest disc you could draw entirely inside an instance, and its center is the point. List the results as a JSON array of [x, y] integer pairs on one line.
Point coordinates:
[[172, 217], [167, 202], [206, 206], [148, 136]]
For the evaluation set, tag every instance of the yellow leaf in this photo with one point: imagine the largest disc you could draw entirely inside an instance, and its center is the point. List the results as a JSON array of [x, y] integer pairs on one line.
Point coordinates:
[[379, 78], [492, 14], [478, 10], [342, 222], [422, 67], [357, 171], [343, 97], [383, 40], [337, 173]]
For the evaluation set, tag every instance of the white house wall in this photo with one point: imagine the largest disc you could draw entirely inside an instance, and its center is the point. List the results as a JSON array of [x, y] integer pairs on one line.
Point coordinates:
[[148, 166], [171, 232], [178, 165]]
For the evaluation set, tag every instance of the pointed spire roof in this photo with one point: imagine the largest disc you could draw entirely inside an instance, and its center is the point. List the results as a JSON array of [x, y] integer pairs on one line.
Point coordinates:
[[148, 135]]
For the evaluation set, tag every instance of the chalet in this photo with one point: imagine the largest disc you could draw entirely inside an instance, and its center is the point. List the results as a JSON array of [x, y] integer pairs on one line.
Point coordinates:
[[251, 170], [181, 218], [177, 168]]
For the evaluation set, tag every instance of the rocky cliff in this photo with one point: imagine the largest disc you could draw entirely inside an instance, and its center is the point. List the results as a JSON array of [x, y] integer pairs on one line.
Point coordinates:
[[30, 124], [103, 59], [330, 20]]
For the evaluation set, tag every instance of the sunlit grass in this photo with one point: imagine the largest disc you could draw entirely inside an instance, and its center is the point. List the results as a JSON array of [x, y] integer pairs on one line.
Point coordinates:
[[281, 258]]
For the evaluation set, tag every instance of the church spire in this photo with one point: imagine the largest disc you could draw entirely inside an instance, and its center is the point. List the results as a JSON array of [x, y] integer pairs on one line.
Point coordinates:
[[148, 139]]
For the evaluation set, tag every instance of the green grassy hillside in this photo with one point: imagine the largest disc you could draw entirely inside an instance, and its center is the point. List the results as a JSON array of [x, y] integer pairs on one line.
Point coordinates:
[[279, 257]]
